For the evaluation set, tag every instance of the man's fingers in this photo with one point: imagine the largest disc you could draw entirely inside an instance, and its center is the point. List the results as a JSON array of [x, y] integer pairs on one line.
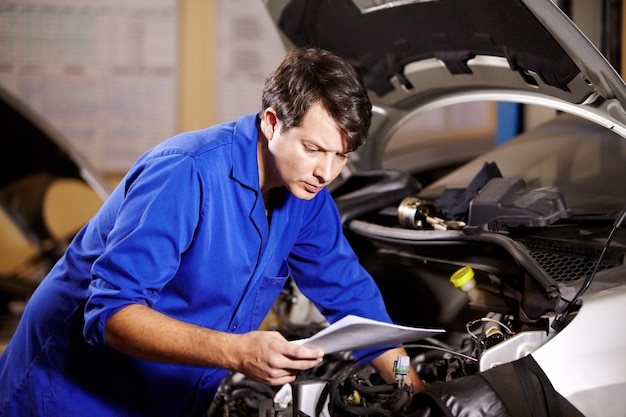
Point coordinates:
[[274, 360], [298, 352]]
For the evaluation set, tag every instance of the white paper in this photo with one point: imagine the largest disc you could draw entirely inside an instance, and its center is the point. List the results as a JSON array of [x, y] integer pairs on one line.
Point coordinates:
[[353, 333]]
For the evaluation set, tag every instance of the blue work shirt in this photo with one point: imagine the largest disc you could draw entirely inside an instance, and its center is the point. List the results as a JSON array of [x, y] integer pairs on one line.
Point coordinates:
[[185, 233]]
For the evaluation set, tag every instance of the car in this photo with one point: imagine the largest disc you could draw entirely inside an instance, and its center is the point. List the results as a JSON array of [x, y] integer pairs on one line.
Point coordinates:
[[47, 193], [518, 254]]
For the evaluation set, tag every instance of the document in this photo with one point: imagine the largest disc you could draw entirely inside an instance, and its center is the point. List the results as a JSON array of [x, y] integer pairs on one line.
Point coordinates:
[[353, 333]]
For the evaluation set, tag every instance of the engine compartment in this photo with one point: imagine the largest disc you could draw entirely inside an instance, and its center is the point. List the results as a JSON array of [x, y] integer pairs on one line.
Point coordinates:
[[529, 259]]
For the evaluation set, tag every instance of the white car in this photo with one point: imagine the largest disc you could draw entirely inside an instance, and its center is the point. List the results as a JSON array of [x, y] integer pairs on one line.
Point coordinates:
[[537, 224]]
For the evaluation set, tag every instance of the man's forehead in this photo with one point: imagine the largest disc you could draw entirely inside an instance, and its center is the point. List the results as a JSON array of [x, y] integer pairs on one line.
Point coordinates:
[[320, 127]]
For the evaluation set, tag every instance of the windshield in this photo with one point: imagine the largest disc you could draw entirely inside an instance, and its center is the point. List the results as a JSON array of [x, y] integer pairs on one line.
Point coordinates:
[[585, 160]]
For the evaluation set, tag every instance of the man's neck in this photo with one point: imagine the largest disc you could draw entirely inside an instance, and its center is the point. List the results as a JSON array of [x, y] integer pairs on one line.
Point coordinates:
[[267, 180]]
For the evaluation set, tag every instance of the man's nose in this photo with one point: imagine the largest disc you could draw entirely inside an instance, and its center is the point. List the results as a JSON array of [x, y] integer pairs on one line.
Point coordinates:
[[324, 169]]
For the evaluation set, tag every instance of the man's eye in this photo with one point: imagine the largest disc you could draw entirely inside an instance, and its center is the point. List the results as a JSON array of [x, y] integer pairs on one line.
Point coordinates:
[[310, 149]]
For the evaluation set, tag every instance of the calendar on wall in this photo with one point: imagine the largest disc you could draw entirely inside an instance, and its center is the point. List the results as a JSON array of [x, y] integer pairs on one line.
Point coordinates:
[[104, 73], [249, 48]]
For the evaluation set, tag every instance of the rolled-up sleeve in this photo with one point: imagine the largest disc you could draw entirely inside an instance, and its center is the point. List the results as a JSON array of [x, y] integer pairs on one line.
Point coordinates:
[[154, 226]]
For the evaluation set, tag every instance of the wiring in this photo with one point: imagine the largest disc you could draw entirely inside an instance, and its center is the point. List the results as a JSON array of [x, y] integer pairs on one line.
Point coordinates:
[[559, 322], [486, 319], [450, 351]]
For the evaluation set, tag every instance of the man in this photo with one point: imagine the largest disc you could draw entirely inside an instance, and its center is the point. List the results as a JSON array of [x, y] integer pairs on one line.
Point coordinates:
[[162, 292]]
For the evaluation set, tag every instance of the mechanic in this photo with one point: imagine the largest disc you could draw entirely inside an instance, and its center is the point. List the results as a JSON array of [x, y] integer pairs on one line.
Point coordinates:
[[163, 291]]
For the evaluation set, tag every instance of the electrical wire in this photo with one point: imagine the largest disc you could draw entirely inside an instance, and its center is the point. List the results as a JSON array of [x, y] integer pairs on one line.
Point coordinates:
[[450, 351], [558, 323], [486, 319]]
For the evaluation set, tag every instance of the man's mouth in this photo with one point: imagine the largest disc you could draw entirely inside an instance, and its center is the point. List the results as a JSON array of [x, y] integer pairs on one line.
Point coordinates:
[[311, 188]]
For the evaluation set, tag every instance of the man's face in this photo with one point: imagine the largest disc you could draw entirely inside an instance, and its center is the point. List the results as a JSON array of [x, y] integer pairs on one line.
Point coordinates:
[[307, 158]]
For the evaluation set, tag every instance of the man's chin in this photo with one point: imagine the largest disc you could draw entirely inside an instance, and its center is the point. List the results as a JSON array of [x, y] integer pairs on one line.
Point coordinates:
[[304, 194]]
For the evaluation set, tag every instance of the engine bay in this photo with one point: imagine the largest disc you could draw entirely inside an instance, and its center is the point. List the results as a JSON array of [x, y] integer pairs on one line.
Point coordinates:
[[526, 256]]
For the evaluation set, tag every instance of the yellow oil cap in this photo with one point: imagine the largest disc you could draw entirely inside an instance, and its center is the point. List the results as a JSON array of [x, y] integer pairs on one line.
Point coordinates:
[[462, 276]]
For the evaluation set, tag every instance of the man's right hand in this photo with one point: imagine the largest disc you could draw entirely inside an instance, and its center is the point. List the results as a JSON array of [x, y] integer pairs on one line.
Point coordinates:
[[264, 356], [267, 357]]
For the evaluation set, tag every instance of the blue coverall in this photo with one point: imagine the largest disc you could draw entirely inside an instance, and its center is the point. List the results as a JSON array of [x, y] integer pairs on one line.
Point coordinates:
[[185, 233]]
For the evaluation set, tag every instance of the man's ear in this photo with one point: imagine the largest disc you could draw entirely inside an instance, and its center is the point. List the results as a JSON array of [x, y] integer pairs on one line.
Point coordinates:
[[269, 122]]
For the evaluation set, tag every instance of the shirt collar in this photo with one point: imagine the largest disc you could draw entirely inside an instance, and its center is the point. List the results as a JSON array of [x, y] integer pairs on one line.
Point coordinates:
[[244, 148]]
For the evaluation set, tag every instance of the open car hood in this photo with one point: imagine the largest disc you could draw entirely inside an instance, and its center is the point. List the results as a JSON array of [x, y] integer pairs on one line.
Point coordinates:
[[37, 162], [33, 147], [420, 55], [34, 156]]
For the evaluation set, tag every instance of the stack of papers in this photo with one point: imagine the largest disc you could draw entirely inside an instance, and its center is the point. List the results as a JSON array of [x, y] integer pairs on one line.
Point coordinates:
[[353, 333]]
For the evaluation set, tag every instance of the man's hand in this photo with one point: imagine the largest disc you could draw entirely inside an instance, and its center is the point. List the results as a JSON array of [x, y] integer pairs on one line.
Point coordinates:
[[266, 356]]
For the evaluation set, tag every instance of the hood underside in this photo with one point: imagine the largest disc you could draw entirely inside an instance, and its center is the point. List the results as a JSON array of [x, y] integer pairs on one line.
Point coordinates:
[[419, 55]]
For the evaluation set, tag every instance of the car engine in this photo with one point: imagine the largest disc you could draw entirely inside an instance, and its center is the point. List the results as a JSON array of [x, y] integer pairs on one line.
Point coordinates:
[[501, 281]]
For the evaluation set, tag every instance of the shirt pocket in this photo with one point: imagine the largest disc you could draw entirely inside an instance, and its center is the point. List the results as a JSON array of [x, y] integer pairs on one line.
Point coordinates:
[[266, 294]]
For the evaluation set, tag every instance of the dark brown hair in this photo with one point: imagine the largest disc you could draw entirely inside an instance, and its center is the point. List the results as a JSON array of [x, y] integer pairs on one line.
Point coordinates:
[[311, 75]]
